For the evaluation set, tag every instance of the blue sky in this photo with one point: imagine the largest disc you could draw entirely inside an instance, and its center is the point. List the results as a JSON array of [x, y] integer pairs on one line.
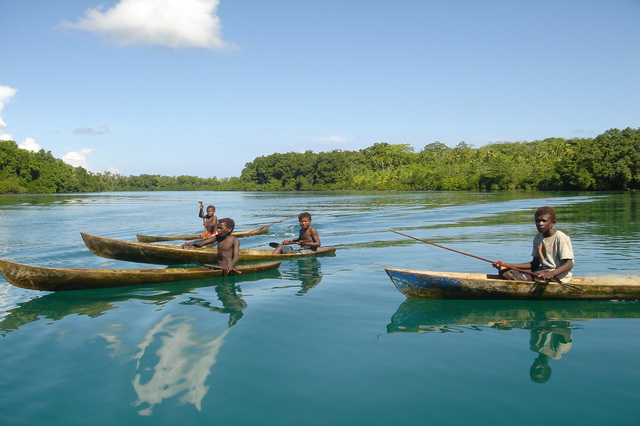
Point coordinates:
[[201, 87]]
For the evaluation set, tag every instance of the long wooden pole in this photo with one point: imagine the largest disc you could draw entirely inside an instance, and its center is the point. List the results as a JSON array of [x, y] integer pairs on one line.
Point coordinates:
[[524, 271], [281, 220]]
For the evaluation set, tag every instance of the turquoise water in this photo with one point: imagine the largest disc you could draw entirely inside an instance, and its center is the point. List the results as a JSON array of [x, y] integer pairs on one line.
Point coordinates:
[[323, 341]]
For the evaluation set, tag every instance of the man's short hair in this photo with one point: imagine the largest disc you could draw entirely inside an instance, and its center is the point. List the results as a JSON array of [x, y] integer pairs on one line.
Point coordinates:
[[548, 211]]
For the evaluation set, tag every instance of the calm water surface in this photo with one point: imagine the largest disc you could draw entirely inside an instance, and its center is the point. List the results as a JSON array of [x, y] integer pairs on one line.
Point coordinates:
[[323, 341]]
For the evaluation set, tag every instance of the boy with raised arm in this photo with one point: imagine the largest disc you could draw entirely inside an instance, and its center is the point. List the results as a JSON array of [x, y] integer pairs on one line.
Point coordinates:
[[228, 245], [209, 220], [552, 253], [309, 240]]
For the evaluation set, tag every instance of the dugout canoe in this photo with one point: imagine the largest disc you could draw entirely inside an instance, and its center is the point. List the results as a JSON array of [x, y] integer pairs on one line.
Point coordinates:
[[239, 234], [163, 254], [453, 285], [62, 279]]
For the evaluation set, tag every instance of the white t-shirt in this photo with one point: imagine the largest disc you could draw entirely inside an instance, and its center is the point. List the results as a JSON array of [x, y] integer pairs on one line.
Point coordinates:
[[553, 251]]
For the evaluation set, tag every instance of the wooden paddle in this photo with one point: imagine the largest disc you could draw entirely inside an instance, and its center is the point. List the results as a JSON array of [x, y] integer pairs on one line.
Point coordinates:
[[524, 271], [267, 244], [220, 267], [206, 232]]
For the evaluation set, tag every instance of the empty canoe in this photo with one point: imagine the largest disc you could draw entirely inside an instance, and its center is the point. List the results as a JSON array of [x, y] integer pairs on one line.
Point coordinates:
[[61, 279]]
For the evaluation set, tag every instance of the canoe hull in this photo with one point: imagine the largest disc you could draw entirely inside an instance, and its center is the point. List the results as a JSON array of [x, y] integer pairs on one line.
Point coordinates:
[[450, 285], [174, 255], [62, 279], [239, 234]]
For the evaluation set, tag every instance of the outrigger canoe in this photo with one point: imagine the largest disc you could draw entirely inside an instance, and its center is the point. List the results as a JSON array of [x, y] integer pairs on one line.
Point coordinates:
[[452, 285], [62, 279], [163, 254], [152, 238]]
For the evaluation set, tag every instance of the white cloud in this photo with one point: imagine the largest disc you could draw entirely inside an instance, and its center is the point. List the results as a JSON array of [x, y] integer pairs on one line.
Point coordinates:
[[114, 171], [30, 145], [172, 23], [6, 93], [77, 158], [92, 131]]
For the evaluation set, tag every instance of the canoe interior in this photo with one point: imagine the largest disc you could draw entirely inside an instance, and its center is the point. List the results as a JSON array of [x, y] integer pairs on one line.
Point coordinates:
[[452, 285], [163, 254], [239, 234]]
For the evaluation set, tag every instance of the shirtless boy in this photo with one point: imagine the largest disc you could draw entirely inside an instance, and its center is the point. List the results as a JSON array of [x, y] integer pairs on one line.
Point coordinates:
[[228, 245], [552, 253], [309, 240], [210, 221]]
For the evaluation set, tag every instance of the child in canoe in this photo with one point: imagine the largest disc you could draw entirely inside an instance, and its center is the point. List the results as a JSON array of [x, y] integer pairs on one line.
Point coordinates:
[[309, 240], [228, 245], [552, 253], [209, 220]]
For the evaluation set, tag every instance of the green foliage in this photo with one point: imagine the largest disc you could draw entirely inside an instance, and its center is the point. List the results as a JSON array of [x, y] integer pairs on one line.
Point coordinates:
[[611, 161]]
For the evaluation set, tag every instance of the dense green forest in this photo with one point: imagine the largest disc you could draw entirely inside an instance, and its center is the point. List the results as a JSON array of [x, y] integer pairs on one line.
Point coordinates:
[[610, 161], [22, 171]]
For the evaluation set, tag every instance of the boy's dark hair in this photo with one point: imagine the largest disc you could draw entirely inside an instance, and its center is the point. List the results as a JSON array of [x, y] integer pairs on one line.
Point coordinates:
[[548, 211], [303, 215], [213, 207], [229, 222]]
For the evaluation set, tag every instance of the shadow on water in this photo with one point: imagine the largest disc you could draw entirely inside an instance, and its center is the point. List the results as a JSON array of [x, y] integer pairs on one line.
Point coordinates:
[[550, 323]]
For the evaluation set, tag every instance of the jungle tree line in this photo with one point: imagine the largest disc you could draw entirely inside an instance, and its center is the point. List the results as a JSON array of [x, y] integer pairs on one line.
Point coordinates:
[[610, 161], [23, 171]]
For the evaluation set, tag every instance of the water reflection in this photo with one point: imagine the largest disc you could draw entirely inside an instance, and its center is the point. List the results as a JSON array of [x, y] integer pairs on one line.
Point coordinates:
[[232, 303], [179, 365], [551, 324], [56, 306], [549, 339], [306, 270], [95, 303], [174, 354]]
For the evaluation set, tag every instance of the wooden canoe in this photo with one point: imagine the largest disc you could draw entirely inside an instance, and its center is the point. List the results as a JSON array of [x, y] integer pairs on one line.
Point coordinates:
[[452, 285], [62, 279], [163, 254], [239, 234]]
